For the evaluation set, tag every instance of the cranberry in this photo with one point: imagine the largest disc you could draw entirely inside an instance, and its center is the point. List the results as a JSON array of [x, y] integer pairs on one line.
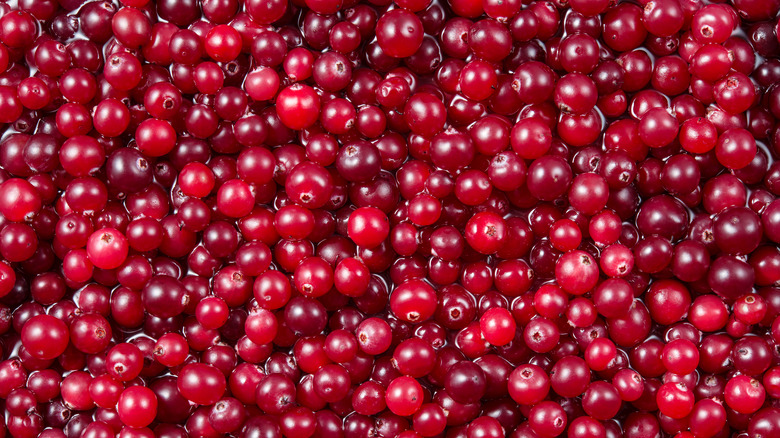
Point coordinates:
[[528, 384], [44, 336], [399, 33], [298, 106], [391, 220], [19, 200], [137, 406], [404, 396], [201, 383]]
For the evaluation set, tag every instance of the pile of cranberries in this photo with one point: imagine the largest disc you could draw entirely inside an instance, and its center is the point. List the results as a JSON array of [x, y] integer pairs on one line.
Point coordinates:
[[390, 218]]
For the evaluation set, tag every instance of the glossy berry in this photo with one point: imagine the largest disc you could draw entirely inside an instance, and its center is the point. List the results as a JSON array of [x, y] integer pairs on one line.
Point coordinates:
[[368, 226], [137, 406], [44, 337], [497, 326], [403, 396]]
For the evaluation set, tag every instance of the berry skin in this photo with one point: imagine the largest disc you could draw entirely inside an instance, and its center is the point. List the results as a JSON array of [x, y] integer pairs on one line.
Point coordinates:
[[498, 326], [528, 384], [137, 406], [576, 272], [45, 337], [400, 33], [107, 248], [744, 394], [19, 201], [485, 232], [368, 226], [298, 106], [404, 396], [413, 301]]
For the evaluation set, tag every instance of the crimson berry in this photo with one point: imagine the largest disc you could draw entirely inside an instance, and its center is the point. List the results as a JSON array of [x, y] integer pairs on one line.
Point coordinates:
[[497, 326], [298, 106], [137, 406], [404, 396], [413, 301], [19, 200], [744, 394], [399, 33], [107, 248], [485, 232], [368, 226], [201, 383], [528, 384], [44, 337], [223, 43], [576, 272]]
